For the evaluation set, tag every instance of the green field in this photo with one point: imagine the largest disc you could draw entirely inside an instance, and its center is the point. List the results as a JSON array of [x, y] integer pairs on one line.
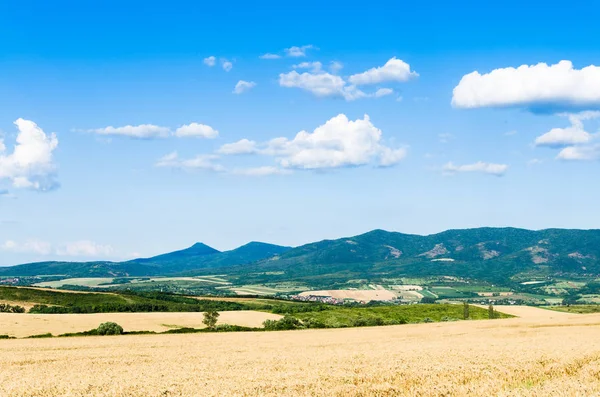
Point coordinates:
[[84, 282], [383, 315], [580, 309]]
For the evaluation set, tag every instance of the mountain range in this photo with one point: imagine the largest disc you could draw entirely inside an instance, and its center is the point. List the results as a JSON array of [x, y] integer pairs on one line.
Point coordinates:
[[492, 254]]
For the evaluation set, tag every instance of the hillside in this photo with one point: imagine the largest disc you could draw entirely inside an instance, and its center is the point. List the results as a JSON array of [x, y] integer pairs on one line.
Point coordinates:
[[492, 254], [198, 256], [500, 255]]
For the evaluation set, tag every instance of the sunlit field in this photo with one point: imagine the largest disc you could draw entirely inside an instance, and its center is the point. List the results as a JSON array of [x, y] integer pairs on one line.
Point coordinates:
[[543, 353]]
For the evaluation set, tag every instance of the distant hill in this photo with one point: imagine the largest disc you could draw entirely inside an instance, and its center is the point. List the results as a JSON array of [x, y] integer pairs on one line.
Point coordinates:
[[501, 255], [492, 254], [198, 256]]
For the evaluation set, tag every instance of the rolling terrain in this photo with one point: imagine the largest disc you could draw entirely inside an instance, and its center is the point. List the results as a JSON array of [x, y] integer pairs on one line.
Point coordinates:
[[496, 255]]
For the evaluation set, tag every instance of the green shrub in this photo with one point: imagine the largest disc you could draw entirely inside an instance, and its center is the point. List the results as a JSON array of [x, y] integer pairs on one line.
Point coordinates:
[[47, 335], [286, 323], [109, 329], [6, 308], [6, 337]]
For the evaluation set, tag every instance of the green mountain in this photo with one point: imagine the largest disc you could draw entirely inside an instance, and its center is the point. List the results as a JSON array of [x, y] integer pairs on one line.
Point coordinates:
[[499, 255], [198, 256]]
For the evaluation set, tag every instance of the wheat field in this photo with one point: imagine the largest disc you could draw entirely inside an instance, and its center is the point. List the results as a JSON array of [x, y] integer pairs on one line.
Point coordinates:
[[23, 325], [542, 353]]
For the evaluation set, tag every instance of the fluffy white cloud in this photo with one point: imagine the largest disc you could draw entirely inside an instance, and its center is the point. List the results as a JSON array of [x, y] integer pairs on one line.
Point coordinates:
[[339, 142], [314, 67], [580, 153], [210, 61], [573, 135], [226, 65], [243, 86], [201, 162], [2, 146], [261, 171], [196, 130], [394, 70], [296, 52], [270, 56], [30, 165], [323, 84], [84, 248], [243, 146], [541, 85], [383, 92], [29, 246], [142, 131], [487, 168]]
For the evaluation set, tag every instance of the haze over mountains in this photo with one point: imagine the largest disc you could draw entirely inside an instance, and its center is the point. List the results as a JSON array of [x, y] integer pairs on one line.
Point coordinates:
[[493, 254]]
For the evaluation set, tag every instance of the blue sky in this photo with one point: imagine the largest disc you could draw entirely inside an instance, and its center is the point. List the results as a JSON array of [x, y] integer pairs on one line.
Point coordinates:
[[505, 147]]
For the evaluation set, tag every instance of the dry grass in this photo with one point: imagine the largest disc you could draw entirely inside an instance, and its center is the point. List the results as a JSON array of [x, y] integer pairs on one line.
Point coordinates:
[[547, 354], [22, 325]]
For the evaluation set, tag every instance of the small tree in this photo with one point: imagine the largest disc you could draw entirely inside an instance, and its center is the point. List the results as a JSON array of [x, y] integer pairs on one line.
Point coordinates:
[[109, 329], [491, 313], [210, 318], [465, 311]]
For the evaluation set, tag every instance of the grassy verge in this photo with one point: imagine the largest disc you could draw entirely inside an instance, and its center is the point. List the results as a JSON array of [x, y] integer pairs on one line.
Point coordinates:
[[579, 309]]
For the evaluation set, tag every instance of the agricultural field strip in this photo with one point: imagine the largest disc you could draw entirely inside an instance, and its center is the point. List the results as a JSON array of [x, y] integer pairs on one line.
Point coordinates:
[[479, 358], [24, 325]]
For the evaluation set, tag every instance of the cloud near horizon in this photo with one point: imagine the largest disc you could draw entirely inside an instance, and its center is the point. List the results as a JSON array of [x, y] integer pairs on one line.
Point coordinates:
[[480, 166], [151, 131]]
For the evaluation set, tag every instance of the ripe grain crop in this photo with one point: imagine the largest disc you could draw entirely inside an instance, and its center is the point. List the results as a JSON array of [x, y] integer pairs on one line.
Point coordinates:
[[23, 325], [542, 354]]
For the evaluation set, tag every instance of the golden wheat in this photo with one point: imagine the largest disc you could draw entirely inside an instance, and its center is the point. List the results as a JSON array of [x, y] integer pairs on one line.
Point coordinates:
[[23, 325], [545, 354]]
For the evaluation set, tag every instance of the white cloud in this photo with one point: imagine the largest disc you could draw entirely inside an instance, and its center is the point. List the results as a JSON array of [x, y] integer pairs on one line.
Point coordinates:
[[339, 142], [226, 65], [201, 162], [383, 92], [393, 70], [142, 131], [29, 246], [321, 85], [84, 248], [573, 135], [30, 165], [314, 67], [511, 133], [243, 146], [541, 85], [2, 146], [487, 168], [534, 162], [196, 130], [210, 61], [335, 67], [580, 153], [270, 56], [261, 171], [243, 86], [296, 52]]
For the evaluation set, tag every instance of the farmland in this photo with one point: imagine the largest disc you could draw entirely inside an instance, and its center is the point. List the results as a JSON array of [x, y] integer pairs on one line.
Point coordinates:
[[478, 358], [22, 326]]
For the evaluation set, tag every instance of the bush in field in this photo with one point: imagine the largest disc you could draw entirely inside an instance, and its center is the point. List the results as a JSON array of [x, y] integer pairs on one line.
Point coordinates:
[[286, 323], [427, 299], [210, 318], [6, 308], [427, 320], [109, 329], [491, 313], [465, 310]]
